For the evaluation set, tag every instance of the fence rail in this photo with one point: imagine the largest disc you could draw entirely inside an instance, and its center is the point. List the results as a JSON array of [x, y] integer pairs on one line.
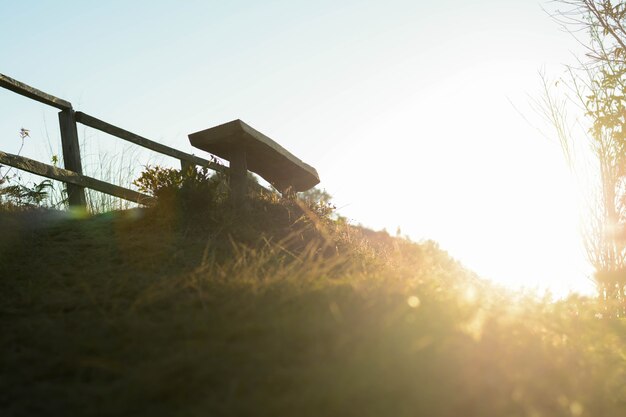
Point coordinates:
[[91, 121], [60, 174], [72, 175], [32, 93]]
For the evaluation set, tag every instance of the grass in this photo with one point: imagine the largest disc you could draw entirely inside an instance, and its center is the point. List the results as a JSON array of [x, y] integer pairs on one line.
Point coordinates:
[[268, 313]]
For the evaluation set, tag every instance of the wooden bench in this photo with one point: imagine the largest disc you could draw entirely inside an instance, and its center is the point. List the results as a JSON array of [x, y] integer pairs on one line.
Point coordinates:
[[248, 149]]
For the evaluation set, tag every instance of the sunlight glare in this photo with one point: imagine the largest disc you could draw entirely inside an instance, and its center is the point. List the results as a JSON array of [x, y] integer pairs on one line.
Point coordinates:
[[413, 301], [494, 193]]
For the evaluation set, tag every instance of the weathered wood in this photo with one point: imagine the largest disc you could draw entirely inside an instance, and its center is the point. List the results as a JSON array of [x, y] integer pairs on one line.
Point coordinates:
[[238, 179], [91, 121], [30, 92], [71, 156], [74, 178], [72, 174], [264, 156]]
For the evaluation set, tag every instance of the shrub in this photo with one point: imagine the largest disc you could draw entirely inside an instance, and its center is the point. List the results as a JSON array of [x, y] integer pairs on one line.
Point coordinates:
[[190, 190]]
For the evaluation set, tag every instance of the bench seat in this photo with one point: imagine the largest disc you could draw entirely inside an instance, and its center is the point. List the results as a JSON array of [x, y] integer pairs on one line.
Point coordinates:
[[263, 156]]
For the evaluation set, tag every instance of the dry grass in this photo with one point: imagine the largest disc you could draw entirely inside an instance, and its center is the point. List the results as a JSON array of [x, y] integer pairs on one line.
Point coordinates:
[[140, 314]]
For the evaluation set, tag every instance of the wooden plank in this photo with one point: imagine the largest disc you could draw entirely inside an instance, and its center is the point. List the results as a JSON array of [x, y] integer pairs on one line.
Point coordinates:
[[71, 156], [32, 93], [64, 175], [264, 156], [91, 121]]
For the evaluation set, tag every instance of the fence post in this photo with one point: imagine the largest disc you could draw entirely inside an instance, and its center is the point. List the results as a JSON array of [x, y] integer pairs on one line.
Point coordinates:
[[71, 156], [186, 166]]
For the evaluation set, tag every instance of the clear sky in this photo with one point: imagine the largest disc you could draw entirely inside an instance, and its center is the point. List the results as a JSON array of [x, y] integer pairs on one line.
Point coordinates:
[[415, 113]]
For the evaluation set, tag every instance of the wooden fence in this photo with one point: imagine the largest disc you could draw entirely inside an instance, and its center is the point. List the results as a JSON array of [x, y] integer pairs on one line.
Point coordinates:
[[72, 175]]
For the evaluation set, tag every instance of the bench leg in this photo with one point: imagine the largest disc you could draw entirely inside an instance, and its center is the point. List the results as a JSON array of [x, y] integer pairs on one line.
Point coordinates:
[[288, 193], [238, 177]]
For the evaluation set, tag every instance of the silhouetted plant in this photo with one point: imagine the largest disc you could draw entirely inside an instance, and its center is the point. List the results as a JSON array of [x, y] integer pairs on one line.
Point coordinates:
[[22, 196], [16, 195], [598, 87], [193, 189]]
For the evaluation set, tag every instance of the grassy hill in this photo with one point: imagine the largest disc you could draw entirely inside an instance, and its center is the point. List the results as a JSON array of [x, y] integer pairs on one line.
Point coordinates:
[[280, 311]]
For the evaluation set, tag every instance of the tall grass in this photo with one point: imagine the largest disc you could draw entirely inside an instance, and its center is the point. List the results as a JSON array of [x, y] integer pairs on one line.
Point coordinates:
[[115, 168]]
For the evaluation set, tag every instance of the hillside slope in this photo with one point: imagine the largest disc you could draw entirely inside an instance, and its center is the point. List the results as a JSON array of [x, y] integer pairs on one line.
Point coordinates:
[[279, 312]]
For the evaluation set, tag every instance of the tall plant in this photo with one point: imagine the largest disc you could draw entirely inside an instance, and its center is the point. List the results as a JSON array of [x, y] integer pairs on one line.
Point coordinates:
[[597, 87]]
